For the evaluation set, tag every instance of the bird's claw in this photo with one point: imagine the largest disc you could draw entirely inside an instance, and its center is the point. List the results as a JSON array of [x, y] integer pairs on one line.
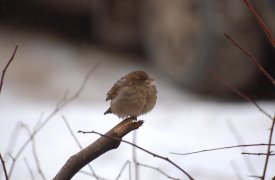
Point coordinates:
[[134, 118]]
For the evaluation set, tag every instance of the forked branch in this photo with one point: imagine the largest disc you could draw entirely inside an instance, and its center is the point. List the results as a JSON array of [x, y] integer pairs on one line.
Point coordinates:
[[96, 149]]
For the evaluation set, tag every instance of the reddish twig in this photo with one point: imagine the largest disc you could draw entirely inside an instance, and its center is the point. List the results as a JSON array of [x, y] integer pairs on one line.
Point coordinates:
[[239, 93], [258, 154], [144, 150], [6, 67], [260, 22], [268, 148], [252, 59], [222, 148], [4, 167]]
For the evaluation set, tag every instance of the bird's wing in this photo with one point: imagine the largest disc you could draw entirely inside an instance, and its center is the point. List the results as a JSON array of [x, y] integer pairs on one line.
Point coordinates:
[[112, 93], [115, 89]]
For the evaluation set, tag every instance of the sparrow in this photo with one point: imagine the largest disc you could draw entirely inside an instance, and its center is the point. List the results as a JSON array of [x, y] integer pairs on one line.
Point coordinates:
[[132, 95]]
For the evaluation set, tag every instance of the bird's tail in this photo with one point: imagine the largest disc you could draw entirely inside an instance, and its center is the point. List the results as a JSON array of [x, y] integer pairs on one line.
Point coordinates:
[[108, 111]]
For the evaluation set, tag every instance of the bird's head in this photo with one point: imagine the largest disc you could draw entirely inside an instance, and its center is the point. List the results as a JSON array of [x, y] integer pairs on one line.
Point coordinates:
[[139, 78]]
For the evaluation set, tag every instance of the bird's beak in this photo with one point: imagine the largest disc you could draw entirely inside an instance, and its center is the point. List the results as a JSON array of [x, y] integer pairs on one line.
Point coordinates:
[[149, 80]]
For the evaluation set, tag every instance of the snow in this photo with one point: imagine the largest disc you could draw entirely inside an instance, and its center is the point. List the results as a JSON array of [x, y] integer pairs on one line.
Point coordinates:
[[45, 68]]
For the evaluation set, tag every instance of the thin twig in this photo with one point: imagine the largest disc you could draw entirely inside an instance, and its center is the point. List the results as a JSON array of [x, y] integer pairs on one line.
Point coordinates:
[[239, 93], [71, 132], [60, 106], [90, 174], [258, 154], [122, 169], [142, 149], [252, 59], [37, 161], [260, 22], [29, 169], [97, 148], [239, 139], [14, 137], [268, 148], [80, 147], [221, 148], [254, 176], [4, 167], [134, 156], [159, 170], [6, 67]]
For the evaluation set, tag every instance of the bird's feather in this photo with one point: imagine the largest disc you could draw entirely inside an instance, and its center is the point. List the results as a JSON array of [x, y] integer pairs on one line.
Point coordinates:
[[108, 111], [115, 89]]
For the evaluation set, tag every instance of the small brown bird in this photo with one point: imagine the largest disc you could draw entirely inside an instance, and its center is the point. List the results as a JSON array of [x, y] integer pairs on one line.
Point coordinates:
[[132, 95]]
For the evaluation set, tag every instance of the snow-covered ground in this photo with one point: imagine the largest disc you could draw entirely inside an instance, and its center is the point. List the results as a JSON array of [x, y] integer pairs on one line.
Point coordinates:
[[46, 67]]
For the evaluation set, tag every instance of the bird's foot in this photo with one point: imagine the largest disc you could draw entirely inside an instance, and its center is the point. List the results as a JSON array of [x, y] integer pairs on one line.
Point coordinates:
[[134, 118]]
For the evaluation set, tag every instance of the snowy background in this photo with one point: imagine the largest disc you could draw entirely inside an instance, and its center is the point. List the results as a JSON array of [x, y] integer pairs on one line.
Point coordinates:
[[45, 67]]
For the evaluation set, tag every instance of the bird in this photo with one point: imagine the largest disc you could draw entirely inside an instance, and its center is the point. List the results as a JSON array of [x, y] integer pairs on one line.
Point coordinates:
[[132, 95]]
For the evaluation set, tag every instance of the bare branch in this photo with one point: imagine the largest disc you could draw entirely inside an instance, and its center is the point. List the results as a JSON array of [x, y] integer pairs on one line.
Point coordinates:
[[221, 148], [29, 169], [80, 146], [59, 106], [260, 22], [6, 67], [239, 93], [252, 59], [258, 154], [144, 150], [134, 156], [4, 167], [268, 148], [122, 169], [239, 139], [96, 149], [39, 169], [159, 170], [254, 176]]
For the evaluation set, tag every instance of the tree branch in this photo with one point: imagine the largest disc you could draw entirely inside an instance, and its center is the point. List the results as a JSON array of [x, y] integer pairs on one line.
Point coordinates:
[[96, 149], [258, 154], [159, 170], [239, 93], [4, 167], [80, 147], [62, 104], [122, 169], [144, 150], [268, 147], [252, 59], [221, 148], [260, 22], [6, 67]]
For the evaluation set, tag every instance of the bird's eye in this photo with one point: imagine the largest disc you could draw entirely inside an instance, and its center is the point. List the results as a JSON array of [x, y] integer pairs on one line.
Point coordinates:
[[142, 78]]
